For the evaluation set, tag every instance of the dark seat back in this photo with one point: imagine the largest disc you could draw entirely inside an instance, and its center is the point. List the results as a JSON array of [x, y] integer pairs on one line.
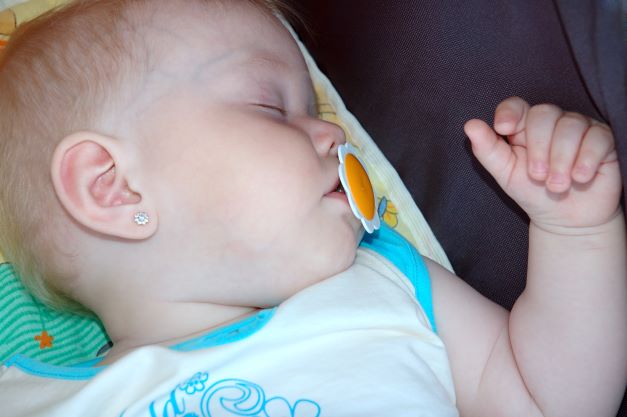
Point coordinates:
[[414, 71]]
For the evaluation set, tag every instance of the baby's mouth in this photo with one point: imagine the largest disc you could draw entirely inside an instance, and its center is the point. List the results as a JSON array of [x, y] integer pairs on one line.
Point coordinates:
[[339, 188]]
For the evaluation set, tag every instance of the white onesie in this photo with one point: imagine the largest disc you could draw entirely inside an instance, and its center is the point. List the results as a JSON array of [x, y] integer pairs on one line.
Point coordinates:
[[356, 344]]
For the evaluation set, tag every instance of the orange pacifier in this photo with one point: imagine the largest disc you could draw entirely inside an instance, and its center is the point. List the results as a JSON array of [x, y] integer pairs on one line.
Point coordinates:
[[358, 188]]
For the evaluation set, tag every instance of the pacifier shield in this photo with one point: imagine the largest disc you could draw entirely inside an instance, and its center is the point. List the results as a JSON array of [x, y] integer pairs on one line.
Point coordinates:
[[358, 187]]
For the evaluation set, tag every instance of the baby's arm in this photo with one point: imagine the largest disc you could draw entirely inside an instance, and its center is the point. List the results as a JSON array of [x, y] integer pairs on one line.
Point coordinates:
[[561, 351]]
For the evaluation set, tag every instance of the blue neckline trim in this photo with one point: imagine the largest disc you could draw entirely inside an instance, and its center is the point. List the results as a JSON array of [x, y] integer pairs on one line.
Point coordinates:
[[88, 369], [229, 334]]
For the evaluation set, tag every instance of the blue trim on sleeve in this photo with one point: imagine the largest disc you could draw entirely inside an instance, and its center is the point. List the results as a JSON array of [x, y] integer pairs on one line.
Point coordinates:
[[37, 368], [390, 244]]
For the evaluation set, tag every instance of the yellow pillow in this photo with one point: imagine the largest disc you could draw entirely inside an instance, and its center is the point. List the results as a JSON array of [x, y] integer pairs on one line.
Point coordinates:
[[397, 207]]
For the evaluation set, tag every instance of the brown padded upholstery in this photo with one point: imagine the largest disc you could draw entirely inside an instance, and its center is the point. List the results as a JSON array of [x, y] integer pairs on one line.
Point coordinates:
[[414, 71]]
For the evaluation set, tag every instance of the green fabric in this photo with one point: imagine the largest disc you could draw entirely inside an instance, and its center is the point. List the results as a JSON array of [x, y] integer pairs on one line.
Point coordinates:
[[22, 318]]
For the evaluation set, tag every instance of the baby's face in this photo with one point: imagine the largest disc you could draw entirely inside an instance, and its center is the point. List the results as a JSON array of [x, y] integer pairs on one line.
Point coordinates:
[[241, 167]]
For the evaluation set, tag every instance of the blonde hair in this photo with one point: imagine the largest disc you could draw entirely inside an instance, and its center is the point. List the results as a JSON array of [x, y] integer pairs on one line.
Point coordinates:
[[61, 73]]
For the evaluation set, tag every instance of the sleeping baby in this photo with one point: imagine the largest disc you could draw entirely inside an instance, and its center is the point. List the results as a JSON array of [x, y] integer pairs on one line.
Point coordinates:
[[163, 166]]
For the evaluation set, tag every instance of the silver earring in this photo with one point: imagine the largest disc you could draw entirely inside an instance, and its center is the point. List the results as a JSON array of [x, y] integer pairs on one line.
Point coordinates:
[[141, 218]]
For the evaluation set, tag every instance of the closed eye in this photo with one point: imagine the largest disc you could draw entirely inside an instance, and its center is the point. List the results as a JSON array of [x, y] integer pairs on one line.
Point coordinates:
[[272, 108]]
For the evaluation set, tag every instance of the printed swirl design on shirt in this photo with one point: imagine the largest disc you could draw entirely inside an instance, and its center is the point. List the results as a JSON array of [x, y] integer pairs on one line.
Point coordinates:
[[197, 397]]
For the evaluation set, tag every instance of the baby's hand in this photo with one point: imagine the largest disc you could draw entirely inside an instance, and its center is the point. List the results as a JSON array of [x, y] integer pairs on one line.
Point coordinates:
[[560, 167]]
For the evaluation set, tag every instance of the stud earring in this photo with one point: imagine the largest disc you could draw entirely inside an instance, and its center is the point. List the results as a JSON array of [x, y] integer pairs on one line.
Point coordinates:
[[141, 218]]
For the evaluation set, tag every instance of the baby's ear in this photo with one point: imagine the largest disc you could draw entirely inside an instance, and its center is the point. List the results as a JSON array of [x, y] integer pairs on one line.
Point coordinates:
[[90, 177]]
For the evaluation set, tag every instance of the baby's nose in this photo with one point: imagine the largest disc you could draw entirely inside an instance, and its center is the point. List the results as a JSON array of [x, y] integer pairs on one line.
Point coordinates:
[[326, 137]]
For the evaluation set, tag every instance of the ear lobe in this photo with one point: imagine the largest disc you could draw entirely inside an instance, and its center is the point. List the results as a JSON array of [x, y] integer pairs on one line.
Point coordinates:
[[88, 174]]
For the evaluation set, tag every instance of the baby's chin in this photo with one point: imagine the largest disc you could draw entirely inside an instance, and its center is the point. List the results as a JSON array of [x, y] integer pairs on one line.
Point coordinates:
[[347, 259], [339, 259], [357, 229]]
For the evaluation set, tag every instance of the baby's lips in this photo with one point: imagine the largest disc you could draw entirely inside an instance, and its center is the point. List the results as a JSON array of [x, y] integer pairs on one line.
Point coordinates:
[[333, 188]]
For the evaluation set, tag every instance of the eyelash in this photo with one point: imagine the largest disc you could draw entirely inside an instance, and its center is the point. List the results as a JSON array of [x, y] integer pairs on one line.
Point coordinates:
[[275, 108]]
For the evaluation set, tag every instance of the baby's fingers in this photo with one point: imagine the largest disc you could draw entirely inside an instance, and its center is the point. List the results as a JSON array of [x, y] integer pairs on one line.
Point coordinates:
[[567, 138], [598, 143], [541, 123], [494, 154], [510, 119]]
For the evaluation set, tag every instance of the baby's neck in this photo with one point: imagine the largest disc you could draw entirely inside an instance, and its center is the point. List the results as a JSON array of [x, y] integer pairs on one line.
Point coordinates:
[[165, 324]]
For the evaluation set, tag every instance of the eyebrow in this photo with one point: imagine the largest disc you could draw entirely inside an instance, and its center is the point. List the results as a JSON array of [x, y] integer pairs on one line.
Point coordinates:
[[271, 62]]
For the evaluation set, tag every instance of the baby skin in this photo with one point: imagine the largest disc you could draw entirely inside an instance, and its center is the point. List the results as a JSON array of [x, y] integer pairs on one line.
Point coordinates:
[[562, 169], [234, 170]]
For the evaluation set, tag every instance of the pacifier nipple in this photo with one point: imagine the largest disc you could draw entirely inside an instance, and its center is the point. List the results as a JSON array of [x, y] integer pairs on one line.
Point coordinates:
[[358, 187]]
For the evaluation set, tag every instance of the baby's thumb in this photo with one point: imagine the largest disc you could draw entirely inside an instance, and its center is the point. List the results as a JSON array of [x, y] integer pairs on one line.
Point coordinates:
[[493, 152]]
